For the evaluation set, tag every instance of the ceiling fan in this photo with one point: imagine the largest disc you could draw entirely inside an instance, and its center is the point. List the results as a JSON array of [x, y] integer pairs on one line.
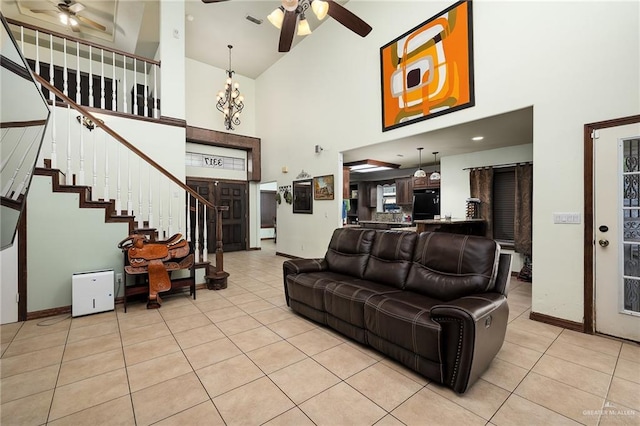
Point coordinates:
[[68, 14], [291, 15]]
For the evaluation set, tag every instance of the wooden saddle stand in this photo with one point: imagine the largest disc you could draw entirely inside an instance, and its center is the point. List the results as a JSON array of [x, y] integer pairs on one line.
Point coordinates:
[[156, 259]]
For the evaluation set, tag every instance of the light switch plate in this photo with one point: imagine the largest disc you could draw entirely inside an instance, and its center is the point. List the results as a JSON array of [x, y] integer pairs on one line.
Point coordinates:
[[567, 218]]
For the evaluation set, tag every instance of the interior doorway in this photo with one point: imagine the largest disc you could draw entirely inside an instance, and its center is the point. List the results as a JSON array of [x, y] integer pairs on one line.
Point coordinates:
[[268, 210], [612, 237], [235, 222]]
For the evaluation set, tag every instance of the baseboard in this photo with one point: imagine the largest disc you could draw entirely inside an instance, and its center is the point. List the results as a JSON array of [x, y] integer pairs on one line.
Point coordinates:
[[287, 255], [255, 248], [558, 322], [48, 312]]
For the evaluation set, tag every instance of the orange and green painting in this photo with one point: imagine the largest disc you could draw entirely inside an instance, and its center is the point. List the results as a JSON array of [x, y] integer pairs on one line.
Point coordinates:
[[428, 71]]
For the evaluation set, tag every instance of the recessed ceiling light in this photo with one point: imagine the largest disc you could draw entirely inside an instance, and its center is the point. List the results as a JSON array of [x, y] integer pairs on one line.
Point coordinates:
[[477, 138]]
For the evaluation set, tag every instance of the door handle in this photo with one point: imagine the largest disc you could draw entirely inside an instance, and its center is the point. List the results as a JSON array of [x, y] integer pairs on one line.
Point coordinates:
[[603, 243]]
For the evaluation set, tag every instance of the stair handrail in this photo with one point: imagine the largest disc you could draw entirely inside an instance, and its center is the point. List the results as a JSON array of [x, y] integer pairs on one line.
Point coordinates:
[[127, 144]]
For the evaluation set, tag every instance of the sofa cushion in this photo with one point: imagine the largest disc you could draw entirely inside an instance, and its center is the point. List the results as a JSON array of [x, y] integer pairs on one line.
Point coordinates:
[[349, 251], [308, 288], [391, 256], [449, 266], [404, 319], [345, 299]]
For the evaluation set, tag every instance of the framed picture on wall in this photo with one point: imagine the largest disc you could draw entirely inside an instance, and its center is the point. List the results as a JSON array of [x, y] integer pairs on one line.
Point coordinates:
[[428, 71], [303, 196], [323, 187]]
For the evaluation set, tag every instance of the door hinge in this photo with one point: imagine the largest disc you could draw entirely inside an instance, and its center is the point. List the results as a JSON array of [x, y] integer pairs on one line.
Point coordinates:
[[595, 134]]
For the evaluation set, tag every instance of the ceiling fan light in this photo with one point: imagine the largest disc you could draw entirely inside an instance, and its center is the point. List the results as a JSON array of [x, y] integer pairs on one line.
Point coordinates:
[[290, 5], [64, 18], [303, 27], [320, 8], [72, 21], [276, 17]]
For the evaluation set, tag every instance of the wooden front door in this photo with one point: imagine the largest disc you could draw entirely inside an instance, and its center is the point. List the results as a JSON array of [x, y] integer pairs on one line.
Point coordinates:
[[234, 221]]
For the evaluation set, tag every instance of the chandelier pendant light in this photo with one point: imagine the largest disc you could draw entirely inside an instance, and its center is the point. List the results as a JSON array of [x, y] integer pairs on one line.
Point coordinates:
[[435, 175], [229, 101], [419, 173]]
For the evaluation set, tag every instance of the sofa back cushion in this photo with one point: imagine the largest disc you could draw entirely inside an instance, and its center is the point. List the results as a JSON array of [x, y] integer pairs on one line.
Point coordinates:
[[391, 257], [349, 251], [447, 266]]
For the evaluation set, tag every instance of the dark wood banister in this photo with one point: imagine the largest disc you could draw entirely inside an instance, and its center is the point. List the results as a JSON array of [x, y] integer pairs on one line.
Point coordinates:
[[85, 42], [128, 145]]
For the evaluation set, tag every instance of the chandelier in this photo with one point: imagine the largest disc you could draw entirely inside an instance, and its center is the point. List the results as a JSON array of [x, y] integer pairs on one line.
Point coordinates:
[[229, 101]]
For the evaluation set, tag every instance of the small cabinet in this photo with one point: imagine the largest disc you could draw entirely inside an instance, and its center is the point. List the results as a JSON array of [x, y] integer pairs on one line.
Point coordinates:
[[404, 191], [373, 195], [425, 183]]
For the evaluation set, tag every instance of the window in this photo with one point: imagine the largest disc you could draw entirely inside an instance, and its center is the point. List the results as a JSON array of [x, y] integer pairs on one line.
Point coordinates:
[[504, 197]]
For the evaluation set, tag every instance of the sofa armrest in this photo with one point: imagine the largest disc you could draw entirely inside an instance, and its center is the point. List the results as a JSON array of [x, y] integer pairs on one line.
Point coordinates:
[[473, 332], [299, 266]]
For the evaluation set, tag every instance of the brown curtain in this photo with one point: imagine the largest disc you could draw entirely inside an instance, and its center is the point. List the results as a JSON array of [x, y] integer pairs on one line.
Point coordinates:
[[481, 184], [524, 198]]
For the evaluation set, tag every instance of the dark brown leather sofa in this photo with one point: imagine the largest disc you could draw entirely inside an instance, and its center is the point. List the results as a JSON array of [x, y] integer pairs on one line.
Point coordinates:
[[436, 302]]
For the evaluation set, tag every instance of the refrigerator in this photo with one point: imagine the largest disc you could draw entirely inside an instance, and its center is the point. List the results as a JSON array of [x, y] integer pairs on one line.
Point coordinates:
[[426, 204]]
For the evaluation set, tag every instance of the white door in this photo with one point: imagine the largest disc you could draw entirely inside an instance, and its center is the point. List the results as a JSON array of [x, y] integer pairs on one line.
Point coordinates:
[[617, 231]]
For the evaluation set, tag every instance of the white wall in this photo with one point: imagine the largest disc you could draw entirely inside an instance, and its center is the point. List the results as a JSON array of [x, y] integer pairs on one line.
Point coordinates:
[[541, 54], [172, 51], [9, 288], [202, 85]]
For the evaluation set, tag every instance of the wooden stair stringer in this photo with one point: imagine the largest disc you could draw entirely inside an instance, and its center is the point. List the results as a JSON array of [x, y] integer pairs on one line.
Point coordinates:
[[85, 201]]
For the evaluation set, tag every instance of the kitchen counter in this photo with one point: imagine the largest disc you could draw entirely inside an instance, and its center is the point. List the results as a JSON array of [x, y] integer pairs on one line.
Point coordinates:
[[454, 226], [377, 224]]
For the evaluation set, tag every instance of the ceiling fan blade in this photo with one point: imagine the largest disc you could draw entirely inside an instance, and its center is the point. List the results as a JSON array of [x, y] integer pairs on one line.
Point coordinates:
[[288, 31], [76, 7], [348, 19], [213, 1], [91, 22], [44, 11]]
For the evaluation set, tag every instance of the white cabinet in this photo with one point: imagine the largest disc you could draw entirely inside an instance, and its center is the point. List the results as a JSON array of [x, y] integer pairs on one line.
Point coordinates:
[[92, 292]]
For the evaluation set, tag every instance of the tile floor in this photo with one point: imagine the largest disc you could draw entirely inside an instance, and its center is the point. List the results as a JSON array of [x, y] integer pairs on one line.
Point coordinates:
[[240, 356]]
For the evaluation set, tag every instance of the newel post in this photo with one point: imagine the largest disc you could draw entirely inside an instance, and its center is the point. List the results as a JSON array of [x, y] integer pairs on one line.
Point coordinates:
[[218, 280]]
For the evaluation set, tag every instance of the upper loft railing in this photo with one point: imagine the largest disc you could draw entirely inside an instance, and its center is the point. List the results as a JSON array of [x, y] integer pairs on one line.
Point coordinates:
[[94, 76]]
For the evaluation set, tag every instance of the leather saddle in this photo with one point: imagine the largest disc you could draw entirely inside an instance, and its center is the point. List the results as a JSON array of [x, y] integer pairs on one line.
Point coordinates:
[[156, 259]]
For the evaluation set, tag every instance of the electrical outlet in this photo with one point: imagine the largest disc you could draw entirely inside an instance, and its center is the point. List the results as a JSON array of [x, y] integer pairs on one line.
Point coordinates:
[[118, 278]]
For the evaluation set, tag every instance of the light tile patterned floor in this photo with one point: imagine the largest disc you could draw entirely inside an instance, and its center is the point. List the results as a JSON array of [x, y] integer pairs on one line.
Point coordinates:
[[240, 356]]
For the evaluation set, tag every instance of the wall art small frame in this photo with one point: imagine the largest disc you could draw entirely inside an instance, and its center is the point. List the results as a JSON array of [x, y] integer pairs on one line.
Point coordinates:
[[303, 196], [428, 71], [323, 188]]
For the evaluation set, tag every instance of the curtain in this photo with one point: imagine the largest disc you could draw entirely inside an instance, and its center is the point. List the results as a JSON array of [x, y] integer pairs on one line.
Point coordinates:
[[481, 185], [523, 209]]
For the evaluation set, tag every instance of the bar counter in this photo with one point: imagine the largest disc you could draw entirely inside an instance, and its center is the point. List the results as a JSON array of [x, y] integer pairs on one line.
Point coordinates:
[[453, 226]]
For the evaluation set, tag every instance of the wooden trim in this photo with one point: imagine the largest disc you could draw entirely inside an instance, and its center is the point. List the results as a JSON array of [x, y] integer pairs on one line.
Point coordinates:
[[589, 242], [289, 256], [558, 322], [22, 265], [170, 121], [15, 68], [230, 140], [255, 248], [31, 123], [81, 41], [49, 312], [126, 143]]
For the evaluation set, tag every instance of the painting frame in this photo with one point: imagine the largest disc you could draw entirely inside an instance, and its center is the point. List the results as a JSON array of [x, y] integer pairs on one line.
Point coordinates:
[[303, 196], [410, 92], [323, 187]]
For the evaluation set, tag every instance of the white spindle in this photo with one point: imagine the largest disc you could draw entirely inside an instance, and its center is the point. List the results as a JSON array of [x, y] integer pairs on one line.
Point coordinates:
[[69, 176], [146, 92], [90, 77], [102, 78], [205, 249], [65, 74], [118, 186], [129, 187], [124, 83], [155, 93], [113, 82], [150, 215], [81, 171], [54, 155], [139, 213], [160, 215], [78, 74], [197, 232], [107, 196], [38, 56], [135, 86], [170, 225], [94, 182], [188, 219], [22, 39]]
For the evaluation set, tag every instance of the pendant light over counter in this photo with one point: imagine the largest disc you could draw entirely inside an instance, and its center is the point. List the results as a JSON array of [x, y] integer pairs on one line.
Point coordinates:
[[419, 173], [436, 174]]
